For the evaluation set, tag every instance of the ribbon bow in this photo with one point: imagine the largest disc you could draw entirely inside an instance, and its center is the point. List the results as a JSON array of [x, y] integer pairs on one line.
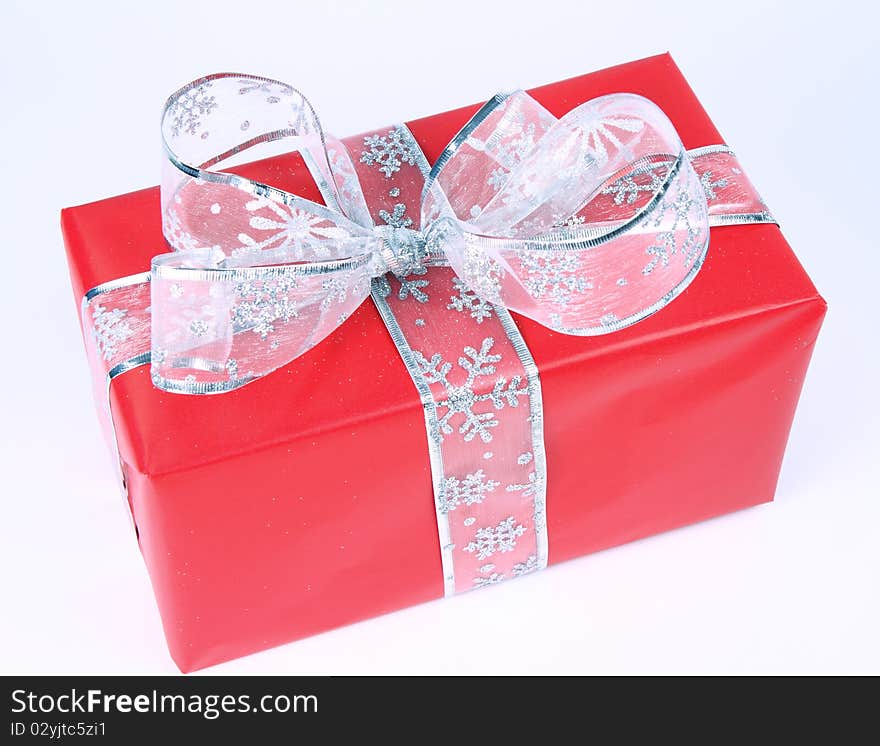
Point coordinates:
[[585, 224]]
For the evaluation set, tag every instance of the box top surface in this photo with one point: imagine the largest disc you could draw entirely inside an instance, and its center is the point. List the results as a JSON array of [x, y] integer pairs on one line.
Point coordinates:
[[356, 373]]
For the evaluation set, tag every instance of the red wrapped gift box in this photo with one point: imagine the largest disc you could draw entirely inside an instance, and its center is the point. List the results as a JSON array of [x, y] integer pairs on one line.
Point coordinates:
[[256, 532]]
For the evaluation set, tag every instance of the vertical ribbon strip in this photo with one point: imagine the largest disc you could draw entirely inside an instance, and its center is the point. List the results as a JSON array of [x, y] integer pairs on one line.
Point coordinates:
[[478, 384]]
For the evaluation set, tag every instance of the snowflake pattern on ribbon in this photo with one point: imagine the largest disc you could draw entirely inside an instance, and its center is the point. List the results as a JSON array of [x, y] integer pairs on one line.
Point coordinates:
[[528, 489], [497, 178], [389, 151], [337, 291], [111, 329], [461, 399], [667, 244], [397, 218], [495, 577], [482, 273], [188, 110], [523, 568], [553, 274], [628, 188], [469, 491], [501, 538], [413, 286], [467, 301], [263, 303], [711, 186], [270, 88]]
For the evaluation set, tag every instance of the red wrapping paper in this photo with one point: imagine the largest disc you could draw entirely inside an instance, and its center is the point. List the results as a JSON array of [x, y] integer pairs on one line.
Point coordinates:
[[265, 515]]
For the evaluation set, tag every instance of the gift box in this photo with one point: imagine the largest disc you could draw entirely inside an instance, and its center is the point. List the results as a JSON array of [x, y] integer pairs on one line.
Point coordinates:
[[304, 500]]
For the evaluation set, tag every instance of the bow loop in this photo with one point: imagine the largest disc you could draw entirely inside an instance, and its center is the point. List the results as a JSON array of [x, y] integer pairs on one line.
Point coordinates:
[[545, 232]]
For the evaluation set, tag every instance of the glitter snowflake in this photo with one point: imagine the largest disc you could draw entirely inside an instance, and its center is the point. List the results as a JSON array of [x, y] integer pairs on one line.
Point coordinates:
[[660, 251], [302, 234], [390, 151], [684, 207], [461, 399], [501, 538], [629, 187], [573, 221], [468, 301], [413, 287], [529, 489], [111, 329], [710, 186], [410, 286], [492, 579], [680, 208], [497, 178], [186, 111], [482, 273], [523, 568], [469, 491], [198, 327], [263, 303], [337, 291], [553, 274], [397, 218]]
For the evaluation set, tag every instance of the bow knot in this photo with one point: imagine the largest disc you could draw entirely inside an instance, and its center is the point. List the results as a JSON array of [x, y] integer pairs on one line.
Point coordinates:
[[403, 251]]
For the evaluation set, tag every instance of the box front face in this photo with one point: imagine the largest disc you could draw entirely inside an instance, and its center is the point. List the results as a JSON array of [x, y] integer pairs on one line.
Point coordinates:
[[303, 501], [292, 540]]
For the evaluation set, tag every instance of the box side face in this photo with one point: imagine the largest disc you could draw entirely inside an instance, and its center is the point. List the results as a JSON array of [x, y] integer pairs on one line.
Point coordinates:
[[292, 540], [675, 432]]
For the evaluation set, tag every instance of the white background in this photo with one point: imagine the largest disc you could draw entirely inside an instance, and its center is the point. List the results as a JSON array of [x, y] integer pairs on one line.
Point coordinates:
[[791, 587]]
